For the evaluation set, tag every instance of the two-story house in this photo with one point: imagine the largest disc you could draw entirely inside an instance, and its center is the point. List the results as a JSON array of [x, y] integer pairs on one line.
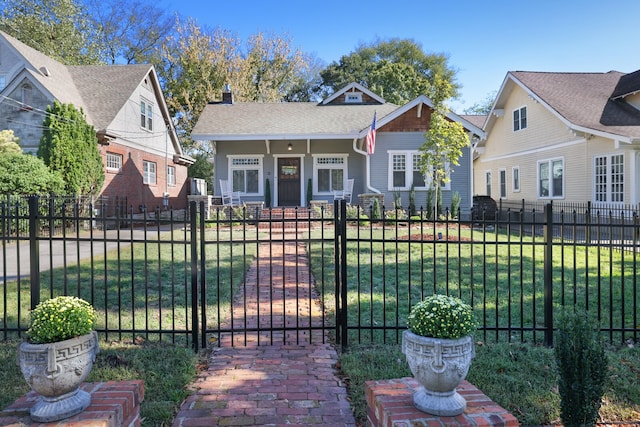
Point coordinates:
[[143, 158], [571, 137]]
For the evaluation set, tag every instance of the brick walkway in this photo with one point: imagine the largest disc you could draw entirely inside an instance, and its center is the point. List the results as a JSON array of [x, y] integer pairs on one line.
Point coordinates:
[[274, 378]]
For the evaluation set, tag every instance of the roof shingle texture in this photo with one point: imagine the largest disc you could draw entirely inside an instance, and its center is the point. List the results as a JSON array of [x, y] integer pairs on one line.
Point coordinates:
[[286, 119], [585, 99]]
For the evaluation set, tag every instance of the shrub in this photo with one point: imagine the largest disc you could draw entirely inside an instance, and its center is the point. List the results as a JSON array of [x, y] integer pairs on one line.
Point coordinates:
[[376, 210], [25, 174], [455, 205], [582, 368], [412, 201], [442, 316], [59, 319], [267, 194]]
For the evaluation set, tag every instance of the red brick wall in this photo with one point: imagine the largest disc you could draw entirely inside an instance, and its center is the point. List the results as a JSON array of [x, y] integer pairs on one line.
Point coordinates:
[[128, 182]]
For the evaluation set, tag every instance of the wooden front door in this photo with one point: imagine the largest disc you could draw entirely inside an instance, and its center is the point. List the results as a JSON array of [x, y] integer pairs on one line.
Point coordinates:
[[289, 181]]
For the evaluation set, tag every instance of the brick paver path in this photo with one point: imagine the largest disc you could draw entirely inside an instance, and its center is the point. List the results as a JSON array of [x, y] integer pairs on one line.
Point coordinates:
[[275, 378]]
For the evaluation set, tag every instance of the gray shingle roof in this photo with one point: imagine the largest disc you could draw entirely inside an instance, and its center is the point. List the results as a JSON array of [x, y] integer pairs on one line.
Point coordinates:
[[59, 82], [585, 99], [283, 120], [105, 89]]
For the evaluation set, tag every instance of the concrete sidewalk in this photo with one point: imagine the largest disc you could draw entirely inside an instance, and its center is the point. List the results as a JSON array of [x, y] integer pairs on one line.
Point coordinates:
[[272, 378]]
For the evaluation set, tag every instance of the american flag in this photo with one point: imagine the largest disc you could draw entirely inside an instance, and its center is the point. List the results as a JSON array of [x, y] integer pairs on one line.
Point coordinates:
[[371, 137]]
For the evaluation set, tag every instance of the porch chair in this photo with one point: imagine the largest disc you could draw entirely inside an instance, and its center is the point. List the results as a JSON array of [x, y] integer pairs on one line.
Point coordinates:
[[345, 193], [229, 197]]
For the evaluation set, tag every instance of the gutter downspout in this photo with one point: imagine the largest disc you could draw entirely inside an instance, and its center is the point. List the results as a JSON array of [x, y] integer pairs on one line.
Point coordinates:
[[367, 169]]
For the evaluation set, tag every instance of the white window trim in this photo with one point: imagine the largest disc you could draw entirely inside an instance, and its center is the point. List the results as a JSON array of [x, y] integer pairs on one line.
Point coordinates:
[[519, 109], [111, 168], [171, 177], [344, 167], [409, 172], [259, 166], [515, 169], [353, 97], [147, 104], [564, 187], [502, 172], [488, 182], [147, 175], [609, 176]]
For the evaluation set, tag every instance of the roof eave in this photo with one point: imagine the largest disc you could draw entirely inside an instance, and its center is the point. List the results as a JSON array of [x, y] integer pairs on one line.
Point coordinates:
[[270, 137]]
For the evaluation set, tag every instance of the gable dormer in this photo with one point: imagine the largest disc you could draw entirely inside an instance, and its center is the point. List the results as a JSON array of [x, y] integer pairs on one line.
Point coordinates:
[[628, 89], [353, 94]]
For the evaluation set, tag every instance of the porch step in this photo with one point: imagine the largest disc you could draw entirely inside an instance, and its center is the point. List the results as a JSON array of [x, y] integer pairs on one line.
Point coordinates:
[[288, 218]]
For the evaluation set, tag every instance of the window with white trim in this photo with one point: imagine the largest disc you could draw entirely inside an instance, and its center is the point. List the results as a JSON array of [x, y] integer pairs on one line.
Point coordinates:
[[487, 183], [503, 183], [171, 176], [353, 97], [520, 118], [329, 173], [418, 180], [148, 172], [146, 114], [609, 178], [515, 178], [114, 162], [246, 174], [405, 171], [551, 179]]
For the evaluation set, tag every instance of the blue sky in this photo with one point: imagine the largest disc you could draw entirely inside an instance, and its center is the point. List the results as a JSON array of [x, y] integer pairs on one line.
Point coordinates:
[[483, 39]]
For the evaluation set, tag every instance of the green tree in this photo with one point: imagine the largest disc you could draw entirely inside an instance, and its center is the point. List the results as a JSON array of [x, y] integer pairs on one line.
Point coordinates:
[[396, 69], [483, 107], [24, 174], [9, 142], [444, 141], [201, 168], [69, 145], [198, 63], [195, 67], [61, 29]]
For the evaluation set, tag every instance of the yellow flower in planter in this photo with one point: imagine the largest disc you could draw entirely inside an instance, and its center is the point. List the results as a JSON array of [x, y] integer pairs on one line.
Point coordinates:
[[442, 316], [61, 318]]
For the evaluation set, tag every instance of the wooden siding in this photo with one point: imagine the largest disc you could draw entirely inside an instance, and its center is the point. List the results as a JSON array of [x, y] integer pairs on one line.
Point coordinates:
[[546, 137]]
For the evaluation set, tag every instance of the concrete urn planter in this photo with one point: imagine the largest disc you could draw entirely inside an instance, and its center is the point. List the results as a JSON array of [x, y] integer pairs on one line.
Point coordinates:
[[55, 371], [439, 365]]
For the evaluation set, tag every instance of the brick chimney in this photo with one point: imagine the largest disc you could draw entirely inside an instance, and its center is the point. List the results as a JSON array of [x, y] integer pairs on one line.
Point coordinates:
[[227, 95]]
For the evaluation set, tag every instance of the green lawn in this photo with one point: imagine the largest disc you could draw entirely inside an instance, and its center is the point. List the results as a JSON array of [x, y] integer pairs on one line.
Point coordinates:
[[387, 272], [503, 280]]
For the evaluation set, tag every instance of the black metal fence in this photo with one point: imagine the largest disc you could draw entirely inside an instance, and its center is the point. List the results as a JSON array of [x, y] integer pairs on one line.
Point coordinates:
[[183, 277]]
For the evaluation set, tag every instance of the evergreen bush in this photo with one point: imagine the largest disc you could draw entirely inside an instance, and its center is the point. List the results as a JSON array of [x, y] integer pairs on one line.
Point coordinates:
[[582, 368]]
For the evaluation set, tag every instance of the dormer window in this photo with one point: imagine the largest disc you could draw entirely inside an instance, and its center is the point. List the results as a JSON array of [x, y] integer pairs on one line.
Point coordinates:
[[353, 97]]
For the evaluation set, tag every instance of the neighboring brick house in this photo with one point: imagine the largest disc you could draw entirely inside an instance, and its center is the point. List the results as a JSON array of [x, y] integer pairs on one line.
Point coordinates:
[[144, 161], [570, 137], [292, 144]]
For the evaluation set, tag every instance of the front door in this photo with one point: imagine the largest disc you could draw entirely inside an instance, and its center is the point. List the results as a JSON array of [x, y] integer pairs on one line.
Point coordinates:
[[289, 181]]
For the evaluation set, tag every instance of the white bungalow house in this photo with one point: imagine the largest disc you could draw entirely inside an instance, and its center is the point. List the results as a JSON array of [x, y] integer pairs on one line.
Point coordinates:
[[570, 137], [303, 147], [144, 161]]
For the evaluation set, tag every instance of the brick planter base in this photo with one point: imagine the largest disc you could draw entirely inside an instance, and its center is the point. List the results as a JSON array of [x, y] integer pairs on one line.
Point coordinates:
[[390, 404], [113, 404]]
